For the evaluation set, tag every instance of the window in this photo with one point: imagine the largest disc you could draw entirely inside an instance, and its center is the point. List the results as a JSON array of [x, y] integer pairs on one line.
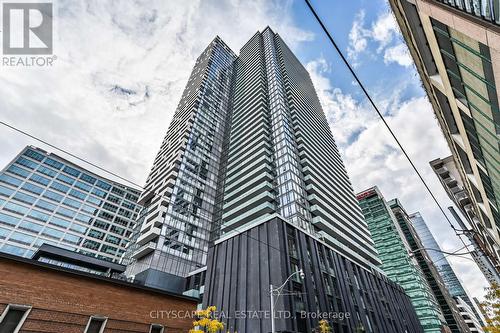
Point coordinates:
[[54, 233], [72, 239], [4, 233], [71, 171], [113, 239], [108, 249], [99, 193], [10, 180], [5, 191], [45, 205], [37, 215], [53, 196], [96, 325], [59, 222], [20, 237], [7, 219], [18, 171], [103, 185], [83, 218], [27, 163], [101, 224], [40, 179], [72, 203], [32, 188], [30, 226], [13, 318], [117, 230], [53, 163], [10, 206], [15, 250], [77, 194], [83, 186], [19, 196], [65, 212], [59, 187], [66, 179], [105, 215], [96, 234], [89, 209], [110, 207], [118, 191], [155, 328], [94, 200], [47, 171], [78, 228], [93, 245], [33, 154], [128, 205], [114, 199], [88, 179]]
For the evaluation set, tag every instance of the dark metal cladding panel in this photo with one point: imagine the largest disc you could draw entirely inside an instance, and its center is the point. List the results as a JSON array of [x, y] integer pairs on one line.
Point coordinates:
[[247, 265]]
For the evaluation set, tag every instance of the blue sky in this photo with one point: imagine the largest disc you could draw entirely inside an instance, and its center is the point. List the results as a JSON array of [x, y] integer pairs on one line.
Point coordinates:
[[148, 48]]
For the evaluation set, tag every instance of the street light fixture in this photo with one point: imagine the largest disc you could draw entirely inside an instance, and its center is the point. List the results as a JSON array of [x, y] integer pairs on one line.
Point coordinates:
[[278, 291]]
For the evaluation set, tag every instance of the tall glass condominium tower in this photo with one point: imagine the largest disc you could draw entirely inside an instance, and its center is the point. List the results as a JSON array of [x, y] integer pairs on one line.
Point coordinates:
[[46, 199], [282, 159], [250, 172], [180, 193]]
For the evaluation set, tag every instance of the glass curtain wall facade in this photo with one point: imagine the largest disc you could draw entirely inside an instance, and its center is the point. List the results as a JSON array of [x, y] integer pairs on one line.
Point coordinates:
[[449, 277], [447, 304], [457, 54], [45, 199], [397, 263], [180, 193]]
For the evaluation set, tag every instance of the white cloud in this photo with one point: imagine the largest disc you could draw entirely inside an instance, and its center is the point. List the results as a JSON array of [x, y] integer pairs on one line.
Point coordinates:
[[382, 34], [373, 158], [358, 36], [384, 29], [120, 73], [398, 54]]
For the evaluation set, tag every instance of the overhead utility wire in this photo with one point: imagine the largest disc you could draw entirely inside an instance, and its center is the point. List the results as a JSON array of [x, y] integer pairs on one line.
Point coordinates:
[[346, 62], [67, 152]]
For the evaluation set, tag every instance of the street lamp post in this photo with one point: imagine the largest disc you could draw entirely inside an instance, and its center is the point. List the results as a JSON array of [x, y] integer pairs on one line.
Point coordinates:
[[278, 291]]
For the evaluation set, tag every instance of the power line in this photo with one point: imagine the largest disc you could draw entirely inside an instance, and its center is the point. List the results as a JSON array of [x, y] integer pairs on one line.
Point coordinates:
[[68, 153], [346, 62]]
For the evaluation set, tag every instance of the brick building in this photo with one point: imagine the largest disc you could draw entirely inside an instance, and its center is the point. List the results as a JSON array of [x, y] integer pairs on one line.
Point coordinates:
[[38, 297]]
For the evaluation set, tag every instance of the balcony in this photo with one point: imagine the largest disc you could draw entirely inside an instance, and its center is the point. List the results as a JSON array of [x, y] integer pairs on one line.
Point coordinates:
[[148, 236], [462, 198], [143, 250], [442, 170]]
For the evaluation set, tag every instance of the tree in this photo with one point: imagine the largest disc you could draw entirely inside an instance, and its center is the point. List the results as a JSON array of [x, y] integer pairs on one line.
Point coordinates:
[[324, 327], [491, 309], [207, 322]]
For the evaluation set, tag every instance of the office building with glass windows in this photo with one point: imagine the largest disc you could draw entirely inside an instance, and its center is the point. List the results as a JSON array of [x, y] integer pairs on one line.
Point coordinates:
[[397, 262], [248, 187], [46, 199], [446, 302], [444, 268], [456, 48]]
